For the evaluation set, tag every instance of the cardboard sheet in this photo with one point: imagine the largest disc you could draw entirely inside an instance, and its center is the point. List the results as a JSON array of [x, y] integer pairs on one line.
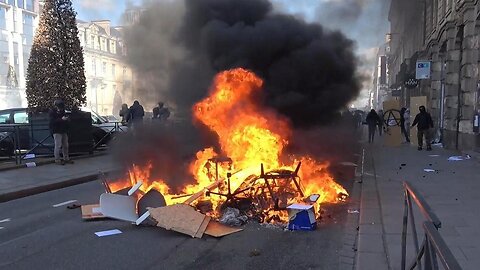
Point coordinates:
[[119, 207], [393, 134], [217, 229], [180, 218], [92, 211]]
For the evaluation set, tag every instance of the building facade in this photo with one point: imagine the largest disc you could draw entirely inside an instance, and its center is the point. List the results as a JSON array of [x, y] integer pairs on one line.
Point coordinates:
[[18, 21], [380, 87], [109, 79], [447, 33]]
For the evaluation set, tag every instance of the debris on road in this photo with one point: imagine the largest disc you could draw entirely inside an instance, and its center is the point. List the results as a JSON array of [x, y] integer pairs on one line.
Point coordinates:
[[433, 155], [135, 188], [92, 211], [151, 199], [5, 220], [254, 253], [347, 163], [119, 207], [181, 218], [353, 211], [429, 170], [232, 217], [64, 203], [74, 206], [31, 164], [217, 229], [142, 218], [108, 233], [301, 217], [459, 158], [403, 164]]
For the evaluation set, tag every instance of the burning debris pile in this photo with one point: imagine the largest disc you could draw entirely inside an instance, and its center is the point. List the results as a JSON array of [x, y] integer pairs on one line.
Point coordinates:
[[249, 173]]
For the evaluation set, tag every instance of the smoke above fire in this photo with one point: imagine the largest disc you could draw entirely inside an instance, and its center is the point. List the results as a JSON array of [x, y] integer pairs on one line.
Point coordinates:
[[177, 47]]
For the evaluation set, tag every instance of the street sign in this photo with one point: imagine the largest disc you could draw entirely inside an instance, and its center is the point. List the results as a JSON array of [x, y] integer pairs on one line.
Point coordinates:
[[423, 70]]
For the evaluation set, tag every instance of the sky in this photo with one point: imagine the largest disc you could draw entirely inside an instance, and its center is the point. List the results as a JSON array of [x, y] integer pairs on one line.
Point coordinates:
[[101, 9]]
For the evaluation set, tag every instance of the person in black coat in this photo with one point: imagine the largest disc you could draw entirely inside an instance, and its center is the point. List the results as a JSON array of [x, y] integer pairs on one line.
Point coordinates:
[[424, 123], [136, 114], [372, 121], [59, 123]]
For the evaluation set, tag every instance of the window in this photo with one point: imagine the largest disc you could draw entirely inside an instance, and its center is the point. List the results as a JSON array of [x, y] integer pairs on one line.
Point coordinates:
[[29, 5], [113, 48], [104, 67], [20, 3], [94, 66], [5, 118], [3, 20], [20, 118], [104, 45], [11, 2], [124, 71], [113, 70], [92, 41]]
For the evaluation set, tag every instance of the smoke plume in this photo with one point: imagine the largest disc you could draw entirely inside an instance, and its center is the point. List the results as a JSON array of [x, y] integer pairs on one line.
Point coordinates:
[[178, 46]]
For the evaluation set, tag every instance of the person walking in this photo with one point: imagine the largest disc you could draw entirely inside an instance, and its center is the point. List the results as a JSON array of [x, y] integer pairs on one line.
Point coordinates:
[[161, 112], [424, 123], [372, 122], [136, 114], [124, 113], [59, 123], [380, 122], [403, 113]]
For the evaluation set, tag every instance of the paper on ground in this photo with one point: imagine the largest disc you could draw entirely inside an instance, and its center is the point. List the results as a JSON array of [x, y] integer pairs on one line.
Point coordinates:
[[455, 158], [31, 164], [5, 220], [428, 170], [64, 203], [107, 233], [1, 228], [433, 155], [135, 188]]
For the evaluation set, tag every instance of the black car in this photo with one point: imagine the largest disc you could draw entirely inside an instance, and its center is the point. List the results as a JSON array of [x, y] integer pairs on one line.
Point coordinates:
[[102, 130]]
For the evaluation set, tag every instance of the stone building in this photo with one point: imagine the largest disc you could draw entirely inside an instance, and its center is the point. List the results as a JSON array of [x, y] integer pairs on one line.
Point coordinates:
[[445, 32], [110, 82], [18, 21]]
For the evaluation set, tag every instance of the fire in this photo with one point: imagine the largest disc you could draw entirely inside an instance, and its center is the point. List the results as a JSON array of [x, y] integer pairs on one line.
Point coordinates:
[[249, 136]]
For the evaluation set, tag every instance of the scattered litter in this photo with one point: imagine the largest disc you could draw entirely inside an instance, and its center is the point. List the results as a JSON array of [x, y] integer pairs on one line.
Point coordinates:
[[429, 170], [433, 155], [347, 163], [29, 156], [5, 220], [64, 203], [353, 211], [273, 226], [467, 156], [437, 144], [92, 211], [74, 206], [142, 218], [254, 253], [181, 218], [217, 229], [232, 217], [1, 228], [135, 188], [456, 158], [31, 164], [119, 207], [301, 217], [108, 233], [403, 164]]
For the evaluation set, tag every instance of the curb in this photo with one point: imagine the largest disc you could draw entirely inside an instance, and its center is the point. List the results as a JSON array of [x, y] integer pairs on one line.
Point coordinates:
[[50, 161], [17, 194]]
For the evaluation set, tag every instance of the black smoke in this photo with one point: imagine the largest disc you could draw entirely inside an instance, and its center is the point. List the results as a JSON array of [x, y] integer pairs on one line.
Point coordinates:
[[309, 72]]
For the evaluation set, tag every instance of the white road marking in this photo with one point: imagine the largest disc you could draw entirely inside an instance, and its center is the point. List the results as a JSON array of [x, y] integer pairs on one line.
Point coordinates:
[[1, 228], [64, 203], [5, 220]]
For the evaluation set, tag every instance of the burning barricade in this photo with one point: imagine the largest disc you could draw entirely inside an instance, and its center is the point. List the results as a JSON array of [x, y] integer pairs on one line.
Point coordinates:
[[250, 179]]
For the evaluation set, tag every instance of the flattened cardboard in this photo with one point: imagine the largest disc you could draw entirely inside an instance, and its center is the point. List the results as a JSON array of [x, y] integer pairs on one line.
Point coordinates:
[[217, 229], [393, 134], [181, 218], [203, 227], [89, 212], [119, 207]]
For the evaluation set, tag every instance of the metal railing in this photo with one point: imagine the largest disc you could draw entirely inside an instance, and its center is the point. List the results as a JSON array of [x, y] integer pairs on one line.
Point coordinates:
[[116, 128], [433, 248]]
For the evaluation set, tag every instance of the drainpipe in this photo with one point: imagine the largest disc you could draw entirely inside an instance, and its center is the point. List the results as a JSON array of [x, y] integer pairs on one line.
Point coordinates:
[[459, 92]]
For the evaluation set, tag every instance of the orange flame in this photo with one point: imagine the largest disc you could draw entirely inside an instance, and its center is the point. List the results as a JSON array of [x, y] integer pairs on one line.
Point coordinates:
[[249, 135]]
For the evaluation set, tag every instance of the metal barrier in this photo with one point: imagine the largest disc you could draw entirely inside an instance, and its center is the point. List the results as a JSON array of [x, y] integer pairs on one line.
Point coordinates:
[[116, 128], [433, 247]]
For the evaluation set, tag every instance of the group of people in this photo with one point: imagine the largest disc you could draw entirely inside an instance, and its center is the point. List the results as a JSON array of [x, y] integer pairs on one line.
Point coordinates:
[[423, 121], [134, 115]]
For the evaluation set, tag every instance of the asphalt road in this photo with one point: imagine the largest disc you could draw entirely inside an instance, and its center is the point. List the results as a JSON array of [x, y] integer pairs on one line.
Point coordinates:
[[40, 236]]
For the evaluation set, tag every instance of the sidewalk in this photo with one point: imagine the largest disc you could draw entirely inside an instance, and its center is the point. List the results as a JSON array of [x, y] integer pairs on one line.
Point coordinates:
[[17, 183], [453, 192]]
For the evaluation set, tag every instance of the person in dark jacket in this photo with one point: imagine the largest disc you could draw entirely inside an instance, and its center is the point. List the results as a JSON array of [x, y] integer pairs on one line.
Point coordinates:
[[136, 114], [372, 121], [424, 123], [402, 124], [161, 113], [59, 127]]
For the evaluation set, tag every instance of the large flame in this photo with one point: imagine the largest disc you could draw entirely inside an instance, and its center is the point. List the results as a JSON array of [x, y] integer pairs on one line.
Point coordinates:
[[249, 135]]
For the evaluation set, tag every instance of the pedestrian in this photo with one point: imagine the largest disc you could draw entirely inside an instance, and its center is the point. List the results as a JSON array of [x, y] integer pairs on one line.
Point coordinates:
[[161, 112], [380, 122], [59, 123], [424, 123], [124, 112], [403, 113], [136, 114], [372, 122]]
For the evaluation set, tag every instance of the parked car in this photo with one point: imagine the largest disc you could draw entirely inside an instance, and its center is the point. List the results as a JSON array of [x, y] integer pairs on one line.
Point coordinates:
[[111, 118], [102, 130]]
